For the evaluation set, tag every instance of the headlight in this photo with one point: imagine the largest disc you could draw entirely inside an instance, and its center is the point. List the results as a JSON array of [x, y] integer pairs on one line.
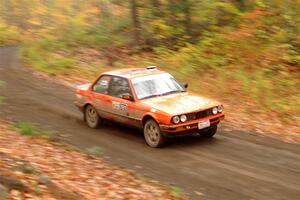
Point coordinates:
[[183, 118], [220, 108], [176, 119], [215, 110]]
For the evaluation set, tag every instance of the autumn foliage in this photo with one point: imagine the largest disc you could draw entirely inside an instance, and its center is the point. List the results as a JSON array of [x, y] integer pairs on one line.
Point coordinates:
[[246, 50]]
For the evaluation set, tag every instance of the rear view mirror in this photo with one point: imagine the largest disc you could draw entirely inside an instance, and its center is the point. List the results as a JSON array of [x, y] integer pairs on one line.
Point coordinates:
[[127, 96], [185, 85]]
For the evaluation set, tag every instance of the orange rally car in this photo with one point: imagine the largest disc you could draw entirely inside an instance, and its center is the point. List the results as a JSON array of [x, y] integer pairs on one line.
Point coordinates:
[[150, 99]]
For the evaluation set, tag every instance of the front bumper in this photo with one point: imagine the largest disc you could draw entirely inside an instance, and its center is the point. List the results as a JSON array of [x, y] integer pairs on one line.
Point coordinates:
[[190, 127]]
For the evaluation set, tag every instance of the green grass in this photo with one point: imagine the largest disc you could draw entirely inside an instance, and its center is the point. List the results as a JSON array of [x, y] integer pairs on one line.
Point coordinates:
[[25, 168], [42, 57], [9, 35], [2, 84], [37, 189], [71, 148], [176, 191], [26, 128], [1, 100], [94, 151]]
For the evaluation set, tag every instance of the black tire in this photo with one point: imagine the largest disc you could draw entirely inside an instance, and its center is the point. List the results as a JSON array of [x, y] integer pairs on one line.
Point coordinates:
[[210, 132], [152, 134], [91, 117]]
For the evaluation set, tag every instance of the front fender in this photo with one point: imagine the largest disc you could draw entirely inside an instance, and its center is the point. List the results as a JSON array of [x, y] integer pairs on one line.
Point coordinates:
[[159, 117]]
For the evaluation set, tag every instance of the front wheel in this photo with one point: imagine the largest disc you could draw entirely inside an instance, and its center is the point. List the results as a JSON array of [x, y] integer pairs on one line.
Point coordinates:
[[210, 132], [91, 117], [153, 135]]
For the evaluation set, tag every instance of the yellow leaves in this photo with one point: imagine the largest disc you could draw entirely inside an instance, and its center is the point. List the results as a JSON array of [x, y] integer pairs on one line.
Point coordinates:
[[4, 150], [35, 22], [90, 10], [255, 14], [9, 35], [61, 17], [162, 30], [40, 10]]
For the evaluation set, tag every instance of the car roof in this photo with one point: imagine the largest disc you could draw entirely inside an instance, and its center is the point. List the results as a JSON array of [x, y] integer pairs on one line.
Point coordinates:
[[131, 73]]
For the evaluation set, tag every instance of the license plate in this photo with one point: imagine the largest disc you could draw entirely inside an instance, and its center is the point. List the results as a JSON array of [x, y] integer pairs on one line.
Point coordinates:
[[203, 124]]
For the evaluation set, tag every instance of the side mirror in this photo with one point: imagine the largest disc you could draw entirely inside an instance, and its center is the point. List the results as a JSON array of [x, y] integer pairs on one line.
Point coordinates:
[[127, 96], [185, 85]]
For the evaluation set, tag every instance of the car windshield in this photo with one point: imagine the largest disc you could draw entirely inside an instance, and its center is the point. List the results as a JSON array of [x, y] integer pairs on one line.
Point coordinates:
[[155, 85]]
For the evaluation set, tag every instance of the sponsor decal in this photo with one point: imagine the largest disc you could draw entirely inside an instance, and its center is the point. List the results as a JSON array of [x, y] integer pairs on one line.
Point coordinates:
[[119, 106]]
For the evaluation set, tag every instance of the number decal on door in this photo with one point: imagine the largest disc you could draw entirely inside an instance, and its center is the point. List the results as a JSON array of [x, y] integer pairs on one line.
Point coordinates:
[[119, 106]]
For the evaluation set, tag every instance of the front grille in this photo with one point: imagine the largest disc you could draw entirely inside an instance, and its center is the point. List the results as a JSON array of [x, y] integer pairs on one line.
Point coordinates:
[[200, 114]]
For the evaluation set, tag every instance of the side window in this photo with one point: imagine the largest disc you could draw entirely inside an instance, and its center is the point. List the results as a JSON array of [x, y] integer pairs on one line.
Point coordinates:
[[101, 86], [118, 87]]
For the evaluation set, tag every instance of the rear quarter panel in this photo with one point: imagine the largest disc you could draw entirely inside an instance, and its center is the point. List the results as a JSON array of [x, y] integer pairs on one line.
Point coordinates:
[[82, 95]]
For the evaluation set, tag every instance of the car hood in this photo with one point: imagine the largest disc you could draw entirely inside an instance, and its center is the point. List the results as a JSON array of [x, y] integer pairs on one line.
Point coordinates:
[[180, 103]]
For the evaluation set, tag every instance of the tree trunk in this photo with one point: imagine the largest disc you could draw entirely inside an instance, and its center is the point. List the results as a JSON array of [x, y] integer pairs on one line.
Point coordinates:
[[136, 23], [240, 4], [156, 4], [105, 7], [156, 8], [187, 18]]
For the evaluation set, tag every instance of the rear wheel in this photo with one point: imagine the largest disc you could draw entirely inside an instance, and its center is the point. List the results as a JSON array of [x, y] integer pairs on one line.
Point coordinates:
[[210, 132], [153, 135], [91, 117]]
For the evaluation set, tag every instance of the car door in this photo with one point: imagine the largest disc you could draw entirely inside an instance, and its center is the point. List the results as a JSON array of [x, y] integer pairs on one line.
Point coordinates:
[[101, 99], [122, 109]]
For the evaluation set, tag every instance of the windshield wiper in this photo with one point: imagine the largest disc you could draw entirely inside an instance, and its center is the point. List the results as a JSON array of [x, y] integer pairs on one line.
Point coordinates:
[[162, 94], [171, 92], [154, 95]]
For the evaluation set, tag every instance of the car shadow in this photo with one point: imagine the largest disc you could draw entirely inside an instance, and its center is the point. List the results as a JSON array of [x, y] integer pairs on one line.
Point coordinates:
[[191, 141], [135, 134]]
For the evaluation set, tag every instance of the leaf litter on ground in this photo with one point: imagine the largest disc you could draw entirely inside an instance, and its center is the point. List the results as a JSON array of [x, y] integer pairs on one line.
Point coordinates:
[[35, 162]]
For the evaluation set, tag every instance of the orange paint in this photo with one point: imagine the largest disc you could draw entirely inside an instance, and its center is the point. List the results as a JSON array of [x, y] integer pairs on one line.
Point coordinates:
[[161, 108]]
